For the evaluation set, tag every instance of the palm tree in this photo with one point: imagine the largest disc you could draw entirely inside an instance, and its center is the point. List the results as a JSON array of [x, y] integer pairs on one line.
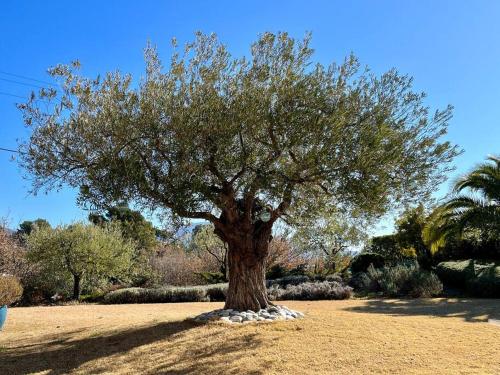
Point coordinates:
[[478, 210]]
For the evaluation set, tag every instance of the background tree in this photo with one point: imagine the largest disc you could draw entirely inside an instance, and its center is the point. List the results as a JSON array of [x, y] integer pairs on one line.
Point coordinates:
[[406, 242], [12, 254], [27, 226], [326, 241], [82, 252], [205, 241], [466, 216], [239, 142], [131, 223]]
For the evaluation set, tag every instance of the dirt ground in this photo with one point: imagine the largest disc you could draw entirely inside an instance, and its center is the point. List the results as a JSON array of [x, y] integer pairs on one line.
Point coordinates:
[[429, 336]]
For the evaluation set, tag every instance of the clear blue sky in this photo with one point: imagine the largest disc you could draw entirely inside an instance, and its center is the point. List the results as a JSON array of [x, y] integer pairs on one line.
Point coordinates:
[[450, 47]]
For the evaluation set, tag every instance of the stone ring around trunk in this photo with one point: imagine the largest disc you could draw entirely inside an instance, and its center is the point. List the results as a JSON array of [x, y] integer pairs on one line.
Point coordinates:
[[230, 316]]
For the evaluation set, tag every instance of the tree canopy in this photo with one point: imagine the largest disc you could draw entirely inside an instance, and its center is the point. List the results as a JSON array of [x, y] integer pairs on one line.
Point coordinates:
[[82, 252], [132, 225], [211, 129]]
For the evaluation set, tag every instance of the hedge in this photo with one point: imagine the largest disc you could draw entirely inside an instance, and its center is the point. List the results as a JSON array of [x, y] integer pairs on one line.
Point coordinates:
[[477, 278]]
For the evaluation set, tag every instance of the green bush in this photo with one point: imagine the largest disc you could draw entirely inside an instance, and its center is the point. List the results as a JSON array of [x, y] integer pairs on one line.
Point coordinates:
[[202, 293], [308, 291], [361, 262], [10, 290], [477, 278], [400, 280], [213, 277], [456, 273]]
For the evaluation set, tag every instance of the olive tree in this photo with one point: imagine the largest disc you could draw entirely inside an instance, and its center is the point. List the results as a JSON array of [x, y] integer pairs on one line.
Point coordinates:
[[80, 252], [238, 142]]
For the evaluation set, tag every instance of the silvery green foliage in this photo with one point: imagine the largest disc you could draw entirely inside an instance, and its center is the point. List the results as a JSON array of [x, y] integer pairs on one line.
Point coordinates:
[[402, 280], [309, 291], [202, 293], [209, 131]]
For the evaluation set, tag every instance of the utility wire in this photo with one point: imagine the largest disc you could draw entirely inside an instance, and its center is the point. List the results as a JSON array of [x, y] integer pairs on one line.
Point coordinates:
[[13, 95], [27, 78], [9, 150], [21, 83]]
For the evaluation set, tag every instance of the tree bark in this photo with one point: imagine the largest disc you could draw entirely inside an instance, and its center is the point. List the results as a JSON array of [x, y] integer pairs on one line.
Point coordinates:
[[247, 284], [76, 287]]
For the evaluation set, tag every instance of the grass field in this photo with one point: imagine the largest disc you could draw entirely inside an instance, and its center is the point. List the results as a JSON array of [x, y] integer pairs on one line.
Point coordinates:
[[434, 336]]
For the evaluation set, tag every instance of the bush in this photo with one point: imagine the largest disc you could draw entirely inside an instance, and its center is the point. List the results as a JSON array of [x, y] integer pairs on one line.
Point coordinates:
[[213, 277], [361, 262], [400, 280], [10, 290], [486, 283], [200, 293], [308, 291], [288, 280], [218, 292], [456, 273], [477, 278]]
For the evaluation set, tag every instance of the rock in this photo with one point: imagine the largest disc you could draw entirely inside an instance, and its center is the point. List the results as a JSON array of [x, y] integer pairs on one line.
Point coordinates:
[[271, 314]]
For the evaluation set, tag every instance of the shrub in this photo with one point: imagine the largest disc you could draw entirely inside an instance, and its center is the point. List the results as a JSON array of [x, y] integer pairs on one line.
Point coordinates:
[[456, 273], [308, 291], [486, 283], [361, 262], [217, 292], [401, 280], [288, 280], [213, 277], [10, 290], [199, 293], [477, 278]]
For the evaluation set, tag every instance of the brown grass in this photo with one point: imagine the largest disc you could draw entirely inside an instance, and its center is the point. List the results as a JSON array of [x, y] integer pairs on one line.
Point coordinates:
[[342, 337]]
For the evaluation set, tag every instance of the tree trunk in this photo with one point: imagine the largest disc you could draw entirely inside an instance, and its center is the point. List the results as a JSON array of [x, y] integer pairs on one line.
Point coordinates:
[[76, 287], [247, 284]]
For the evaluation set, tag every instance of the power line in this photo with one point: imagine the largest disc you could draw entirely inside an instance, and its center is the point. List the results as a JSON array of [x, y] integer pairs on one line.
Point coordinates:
[[9, 150], [13, 95], [27, 78], [21, 83]]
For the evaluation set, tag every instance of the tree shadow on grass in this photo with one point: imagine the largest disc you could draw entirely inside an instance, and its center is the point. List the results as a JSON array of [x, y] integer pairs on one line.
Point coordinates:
[[196, 352], [471, 310]]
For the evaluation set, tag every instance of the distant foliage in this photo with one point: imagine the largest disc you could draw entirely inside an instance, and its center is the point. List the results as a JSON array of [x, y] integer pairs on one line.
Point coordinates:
[[401, 280], [310, 291], [361, 262], [13, 256], [213, 277], [10, 290], [173, 265]]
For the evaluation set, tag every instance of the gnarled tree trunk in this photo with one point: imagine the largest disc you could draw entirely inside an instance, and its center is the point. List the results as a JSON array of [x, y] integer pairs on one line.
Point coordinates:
[[247, 284]]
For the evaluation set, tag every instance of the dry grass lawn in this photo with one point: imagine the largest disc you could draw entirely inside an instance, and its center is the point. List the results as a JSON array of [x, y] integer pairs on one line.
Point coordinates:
[[434, 336]]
